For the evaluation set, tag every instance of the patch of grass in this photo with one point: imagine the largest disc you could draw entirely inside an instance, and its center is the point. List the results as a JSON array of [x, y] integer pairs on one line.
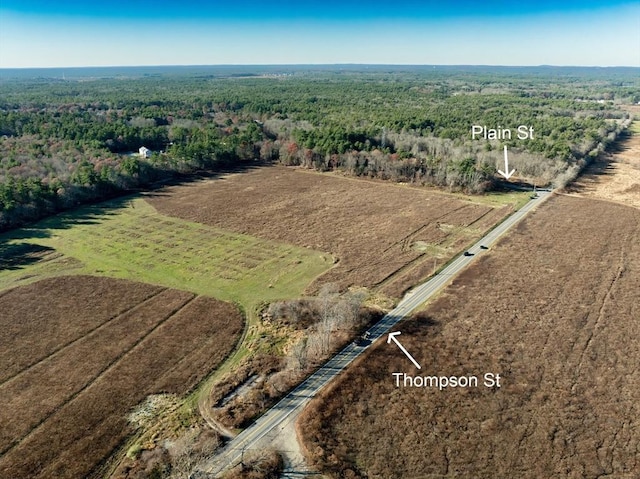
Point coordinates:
[[634, 127], [134, 451], [516, 199], [135, 242], [494, 199]]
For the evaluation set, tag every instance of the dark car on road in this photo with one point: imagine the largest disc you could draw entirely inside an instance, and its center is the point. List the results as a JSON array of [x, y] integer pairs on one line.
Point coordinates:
[[363, 340]]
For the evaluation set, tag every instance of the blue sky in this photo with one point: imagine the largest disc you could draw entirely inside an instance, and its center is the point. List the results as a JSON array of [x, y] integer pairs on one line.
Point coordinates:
[[43, 33]]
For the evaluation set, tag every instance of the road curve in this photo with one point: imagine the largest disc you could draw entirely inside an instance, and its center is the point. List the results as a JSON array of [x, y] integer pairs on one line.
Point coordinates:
[[293, 403]]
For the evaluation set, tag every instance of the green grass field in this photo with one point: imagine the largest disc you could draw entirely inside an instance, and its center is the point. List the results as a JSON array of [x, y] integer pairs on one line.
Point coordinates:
[[129, 239], [495, 199], [517, 199]]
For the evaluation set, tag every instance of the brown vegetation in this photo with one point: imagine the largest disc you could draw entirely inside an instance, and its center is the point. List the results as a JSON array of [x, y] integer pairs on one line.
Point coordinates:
[[372, 228], [316, 329], [81, 352], [262, 465], [173, 459], [554, 309]]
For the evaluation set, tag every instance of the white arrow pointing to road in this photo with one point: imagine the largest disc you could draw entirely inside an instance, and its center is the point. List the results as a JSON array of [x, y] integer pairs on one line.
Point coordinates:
[[508, 173], [392, 336]]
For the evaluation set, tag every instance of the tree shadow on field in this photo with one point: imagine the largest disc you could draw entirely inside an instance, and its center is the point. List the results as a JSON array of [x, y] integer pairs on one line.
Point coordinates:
[[504, 186], [594, 173], [600, 167], [90, 214], [19, 255], [620, 145], [421, 323], [157, 189], [19, 248]]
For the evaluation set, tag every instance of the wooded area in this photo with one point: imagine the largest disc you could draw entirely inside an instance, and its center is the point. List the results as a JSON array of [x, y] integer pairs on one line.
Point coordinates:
[[67, 142]]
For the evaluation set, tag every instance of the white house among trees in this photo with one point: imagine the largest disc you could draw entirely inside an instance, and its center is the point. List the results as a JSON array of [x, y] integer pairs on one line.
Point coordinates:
[[144, 152]]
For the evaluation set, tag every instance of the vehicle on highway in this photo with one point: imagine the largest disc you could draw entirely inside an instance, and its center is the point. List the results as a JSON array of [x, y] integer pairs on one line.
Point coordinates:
[[363, 340]]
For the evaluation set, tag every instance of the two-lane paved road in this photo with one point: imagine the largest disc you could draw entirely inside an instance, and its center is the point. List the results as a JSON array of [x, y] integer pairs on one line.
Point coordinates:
[[293, 403]]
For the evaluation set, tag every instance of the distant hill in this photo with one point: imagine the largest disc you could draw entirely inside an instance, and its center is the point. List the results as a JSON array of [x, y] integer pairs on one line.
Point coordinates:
[[221, 71]]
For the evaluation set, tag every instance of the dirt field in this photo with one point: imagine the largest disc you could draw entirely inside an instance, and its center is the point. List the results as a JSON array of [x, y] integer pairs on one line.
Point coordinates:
[[554, 309], [79, 352], [616, 176], [383, 235]]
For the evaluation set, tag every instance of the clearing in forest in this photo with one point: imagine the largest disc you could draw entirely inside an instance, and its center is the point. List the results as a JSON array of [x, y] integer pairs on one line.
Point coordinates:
[[384, 236]]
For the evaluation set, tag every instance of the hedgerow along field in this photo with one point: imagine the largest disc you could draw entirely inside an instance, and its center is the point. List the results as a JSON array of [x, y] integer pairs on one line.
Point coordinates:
[[615, 176], [554, 308], [80, 352]]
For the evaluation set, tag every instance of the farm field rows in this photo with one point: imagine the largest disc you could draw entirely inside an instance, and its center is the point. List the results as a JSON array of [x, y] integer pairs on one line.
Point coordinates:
[[384, 236], [91, 349], [554, 309]]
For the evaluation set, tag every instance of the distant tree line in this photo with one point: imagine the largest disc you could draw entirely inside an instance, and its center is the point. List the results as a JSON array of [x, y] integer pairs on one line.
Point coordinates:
[[63, 143]]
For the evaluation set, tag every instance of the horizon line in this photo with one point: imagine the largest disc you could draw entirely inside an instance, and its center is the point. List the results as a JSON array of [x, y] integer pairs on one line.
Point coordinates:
[[170, 65]]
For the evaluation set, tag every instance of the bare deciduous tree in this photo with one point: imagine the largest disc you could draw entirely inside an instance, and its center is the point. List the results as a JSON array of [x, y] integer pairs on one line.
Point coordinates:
[[299, 355]]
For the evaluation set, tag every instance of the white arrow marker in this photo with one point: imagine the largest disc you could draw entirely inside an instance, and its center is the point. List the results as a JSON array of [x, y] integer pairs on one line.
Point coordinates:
[[392, 336], [508, 173]]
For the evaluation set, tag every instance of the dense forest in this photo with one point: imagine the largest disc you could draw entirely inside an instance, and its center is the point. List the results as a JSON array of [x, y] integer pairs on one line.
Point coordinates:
[[70, 138]]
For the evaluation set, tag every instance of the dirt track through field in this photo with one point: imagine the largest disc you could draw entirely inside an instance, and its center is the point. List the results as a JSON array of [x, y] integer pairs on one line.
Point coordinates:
[[65, 410], [49, 380]]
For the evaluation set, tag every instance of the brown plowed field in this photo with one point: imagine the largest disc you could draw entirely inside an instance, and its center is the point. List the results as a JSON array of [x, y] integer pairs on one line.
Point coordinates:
[[368, 226], [79, 352], [555, 309]]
